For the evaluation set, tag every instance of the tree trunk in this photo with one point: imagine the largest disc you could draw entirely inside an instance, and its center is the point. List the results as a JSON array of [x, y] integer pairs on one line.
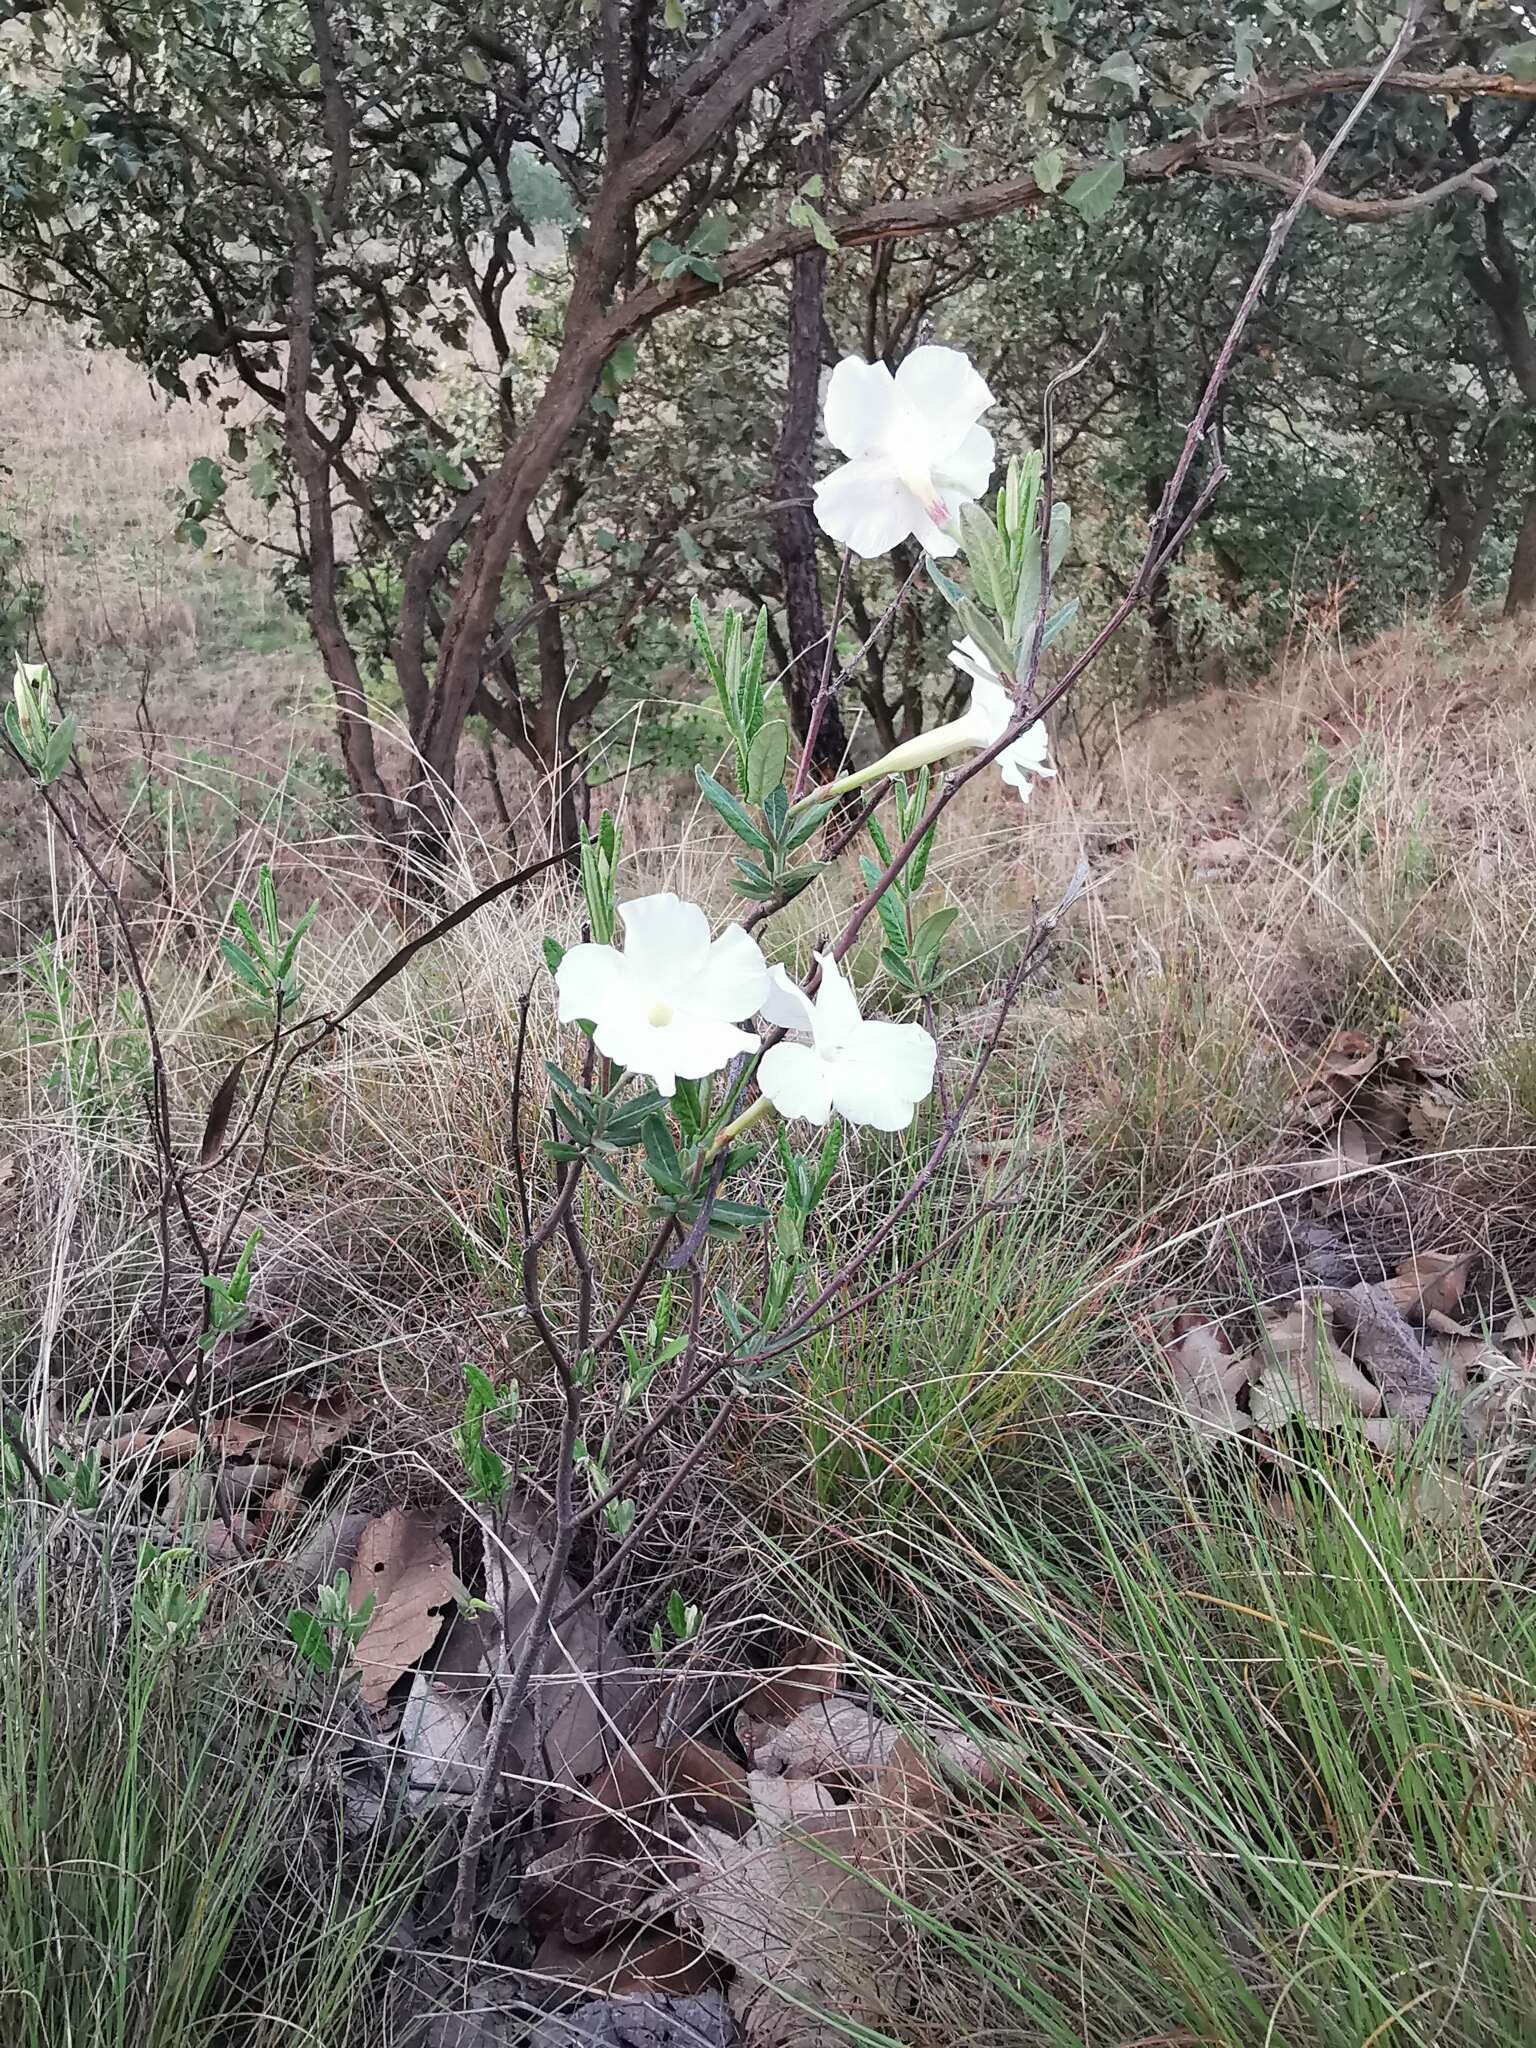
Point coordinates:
[[1521, 594], [795, 524], [1163, 654]]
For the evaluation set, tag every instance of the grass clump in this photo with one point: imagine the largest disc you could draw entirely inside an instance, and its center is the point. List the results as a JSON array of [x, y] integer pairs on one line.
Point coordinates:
[[160, 1885], [1268, 1749]]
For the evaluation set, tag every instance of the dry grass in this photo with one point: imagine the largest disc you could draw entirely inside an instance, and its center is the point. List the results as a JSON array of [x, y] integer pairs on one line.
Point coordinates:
[[1348, 848]]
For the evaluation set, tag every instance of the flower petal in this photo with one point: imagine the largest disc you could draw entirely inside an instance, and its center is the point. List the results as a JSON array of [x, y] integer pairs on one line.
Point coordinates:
[[965, 471], [967, 656], [932, 538], [797, 1082], [592, 982], [946, 393], [837, 1007], [665, 939], [865, 506], [688, 1046], [731, 981], [989, 713], [787, 1003], [1029, 755], [857, 411], [883, 1073]]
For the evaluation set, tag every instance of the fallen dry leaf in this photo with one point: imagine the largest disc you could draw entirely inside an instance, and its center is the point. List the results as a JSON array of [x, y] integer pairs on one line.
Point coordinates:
[[1381, 1339], [790, 1907], [620, 1968], [1429, 1114], [165, 1446], [1348, 1056], [809, 1672], [404, 1563], [1431, 1282], [444, 1741], [560, 1736], [1207, 1375], [298, 1432], [1304, 1373]]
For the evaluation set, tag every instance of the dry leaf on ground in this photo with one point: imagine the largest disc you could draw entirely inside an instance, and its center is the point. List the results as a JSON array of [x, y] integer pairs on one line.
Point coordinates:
[[1431, 1283], [1304, 1373], [404, 1563], [561, 1734], [1208, 1375], [298, 1432], [1351, 1148], [789, 1905], [1383, 1341], [444, 1741]]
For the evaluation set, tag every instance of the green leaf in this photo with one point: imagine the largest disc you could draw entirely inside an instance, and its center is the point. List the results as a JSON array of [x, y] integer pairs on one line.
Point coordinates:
[[985, 555], [1094, 192], [929, 936], [712, 236], [661, 1160], [897, 968], [473, 66], [732, 812], [206, 480], [749, 689], [554, 953], [1048, 169], [674, 16], [1122, 69], [244, 967], [895, 925], [803, 215], [766, 760], [946, 586], [807, 822], [311, 1640]]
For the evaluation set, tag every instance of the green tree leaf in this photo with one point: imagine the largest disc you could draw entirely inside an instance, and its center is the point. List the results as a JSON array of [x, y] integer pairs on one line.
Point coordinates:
[[1094, 192]]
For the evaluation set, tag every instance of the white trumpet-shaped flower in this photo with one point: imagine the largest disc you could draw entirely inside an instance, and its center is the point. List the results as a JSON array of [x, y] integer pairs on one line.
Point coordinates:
[[989, 715], [980, 726], [916, 453], [671, 1003], [872, 1072]]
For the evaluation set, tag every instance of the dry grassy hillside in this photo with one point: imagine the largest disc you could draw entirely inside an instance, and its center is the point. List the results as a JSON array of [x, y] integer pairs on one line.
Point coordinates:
[[1214, 1666]]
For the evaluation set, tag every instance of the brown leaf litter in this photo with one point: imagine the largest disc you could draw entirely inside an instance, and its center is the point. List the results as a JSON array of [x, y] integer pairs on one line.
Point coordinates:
[[771, 1871], [404, 1563], [1365, 1101], [1374, 1354]]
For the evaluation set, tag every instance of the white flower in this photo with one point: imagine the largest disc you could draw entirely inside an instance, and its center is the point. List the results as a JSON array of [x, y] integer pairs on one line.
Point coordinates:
[[671, 1002], [872, 1073], [916, 451], [980, 726], [989, 715]]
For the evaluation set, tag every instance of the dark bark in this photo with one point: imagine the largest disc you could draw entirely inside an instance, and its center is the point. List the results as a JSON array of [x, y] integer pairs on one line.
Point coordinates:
[[1521, 594], [1464, 514], [795, 525]]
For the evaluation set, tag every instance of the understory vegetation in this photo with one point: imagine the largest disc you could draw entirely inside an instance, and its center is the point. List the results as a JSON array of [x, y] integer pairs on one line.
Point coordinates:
[[1256, 1701], [768, 1068]]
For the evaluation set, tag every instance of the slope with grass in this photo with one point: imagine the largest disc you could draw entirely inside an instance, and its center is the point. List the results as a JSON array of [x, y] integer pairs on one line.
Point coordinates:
[[1249, 1700]]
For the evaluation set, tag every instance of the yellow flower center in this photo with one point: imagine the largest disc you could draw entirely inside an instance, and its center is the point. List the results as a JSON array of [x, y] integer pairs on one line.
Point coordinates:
[[659, 1014]]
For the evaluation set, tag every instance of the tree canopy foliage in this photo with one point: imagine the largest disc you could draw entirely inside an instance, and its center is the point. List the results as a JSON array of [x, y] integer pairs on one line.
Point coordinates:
[[516, 311]]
